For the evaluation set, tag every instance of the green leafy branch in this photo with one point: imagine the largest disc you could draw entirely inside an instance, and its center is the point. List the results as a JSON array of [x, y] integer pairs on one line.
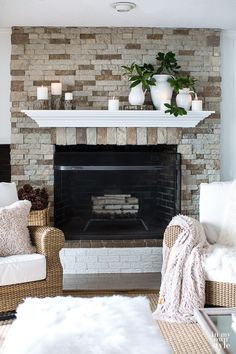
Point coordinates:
[[178, 83], [140, 74], [168, 63], [176, 111]]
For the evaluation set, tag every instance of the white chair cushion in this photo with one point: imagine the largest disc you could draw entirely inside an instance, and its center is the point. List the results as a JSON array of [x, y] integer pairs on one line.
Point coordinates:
[[22, 268], [220, 264], [8, 194], [214, 198], [228, 230]]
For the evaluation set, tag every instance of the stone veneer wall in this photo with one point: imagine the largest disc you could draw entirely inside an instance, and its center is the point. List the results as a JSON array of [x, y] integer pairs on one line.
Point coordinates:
[[88, 62]]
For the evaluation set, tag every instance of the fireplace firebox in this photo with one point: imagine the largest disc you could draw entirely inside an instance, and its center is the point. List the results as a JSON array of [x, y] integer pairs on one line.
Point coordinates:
[[116, 192]]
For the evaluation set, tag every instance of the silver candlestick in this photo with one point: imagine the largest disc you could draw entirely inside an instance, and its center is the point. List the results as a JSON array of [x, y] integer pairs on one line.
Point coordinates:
[[56, 102]]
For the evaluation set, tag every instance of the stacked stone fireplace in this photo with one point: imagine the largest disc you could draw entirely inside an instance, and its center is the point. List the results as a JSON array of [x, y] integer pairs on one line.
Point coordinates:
[[88, 62]]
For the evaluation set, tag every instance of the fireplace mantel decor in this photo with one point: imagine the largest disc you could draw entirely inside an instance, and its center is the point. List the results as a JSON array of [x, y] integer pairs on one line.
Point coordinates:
[[103, 118], [87, 61]]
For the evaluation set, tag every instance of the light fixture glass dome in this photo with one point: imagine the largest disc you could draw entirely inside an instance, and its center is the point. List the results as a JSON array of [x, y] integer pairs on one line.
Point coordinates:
[[123, 6]]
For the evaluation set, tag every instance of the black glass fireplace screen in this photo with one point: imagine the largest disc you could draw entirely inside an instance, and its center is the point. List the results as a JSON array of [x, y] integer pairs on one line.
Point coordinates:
[[116, 192]]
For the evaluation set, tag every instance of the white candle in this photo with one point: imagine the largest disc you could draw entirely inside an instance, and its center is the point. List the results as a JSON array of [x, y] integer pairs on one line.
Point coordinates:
[[68, 96], [113, 104], [162, 105], [56, 88], [197, 105], [42, 93]]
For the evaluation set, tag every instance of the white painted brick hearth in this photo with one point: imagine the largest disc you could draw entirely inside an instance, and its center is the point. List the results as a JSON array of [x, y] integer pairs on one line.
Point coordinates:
[[111, 260]]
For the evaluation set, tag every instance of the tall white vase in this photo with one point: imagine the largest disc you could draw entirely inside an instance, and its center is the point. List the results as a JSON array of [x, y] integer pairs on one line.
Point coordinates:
[[136, 96], [184, 99], [162, 91]]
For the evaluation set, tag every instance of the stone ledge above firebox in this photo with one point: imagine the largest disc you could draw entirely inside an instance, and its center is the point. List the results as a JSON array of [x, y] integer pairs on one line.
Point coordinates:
[[103, 118]]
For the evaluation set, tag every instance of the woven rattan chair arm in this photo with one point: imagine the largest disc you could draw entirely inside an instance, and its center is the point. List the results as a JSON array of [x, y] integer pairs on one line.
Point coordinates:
[[48, 240], [170, 235]]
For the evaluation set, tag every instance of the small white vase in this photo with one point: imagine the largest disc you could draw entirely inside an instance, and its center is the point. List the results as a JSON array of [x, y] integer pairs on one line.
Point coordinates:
[[184, 99], [136, 95], [162, 91]]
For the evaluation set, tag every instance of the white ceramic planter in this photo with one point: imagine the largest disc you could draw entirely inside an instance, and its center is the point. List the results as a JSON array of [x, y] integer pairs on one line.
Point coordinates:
[[184, 99], [162, 91], [137, 96]]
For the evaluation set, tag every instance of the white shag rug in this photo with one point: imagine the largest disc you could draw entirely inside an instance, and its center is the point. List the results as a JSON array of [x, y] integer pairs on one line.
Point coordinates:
[[99, 325]]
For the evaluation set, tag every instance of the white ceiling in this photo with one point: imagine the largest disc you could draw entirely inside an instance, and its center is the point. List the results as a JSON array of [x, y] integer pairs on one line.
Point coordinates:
[[148, 13]]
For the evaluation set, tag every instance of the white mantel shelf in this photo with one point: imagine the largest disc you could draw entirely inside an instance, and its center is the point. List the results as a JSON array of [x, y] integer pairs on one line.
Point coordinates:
[[103, 118]]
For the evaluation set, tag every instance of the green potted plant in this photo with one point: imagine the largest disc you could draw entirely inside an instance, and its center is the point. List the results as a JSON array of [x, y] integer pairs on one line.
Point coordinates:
[[168, 63], [140, 77], [167, 66], [181, 82], [183, 86]]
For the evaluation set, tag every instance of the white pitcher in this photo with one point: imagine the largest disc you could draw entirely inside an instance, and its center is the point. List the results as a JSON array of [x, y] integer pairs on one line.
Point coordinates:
[[136, 95], [184, 98], [161, 91]]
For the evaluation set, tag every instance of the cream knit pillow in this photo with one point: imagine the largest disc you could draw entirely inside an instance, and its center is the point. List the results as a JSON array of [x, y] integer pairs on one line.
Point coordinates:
[[14, 234]]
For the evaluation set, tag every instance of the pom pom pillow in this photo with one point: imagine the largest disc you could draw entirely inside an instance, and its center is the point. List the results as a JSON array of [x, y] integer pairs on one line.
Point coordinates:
[[14, 233]]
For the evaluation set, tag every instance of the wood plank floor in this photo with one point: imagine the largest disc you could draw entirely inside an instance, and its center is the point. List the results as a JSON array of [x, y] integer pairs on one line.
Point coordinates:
[[121, 281]]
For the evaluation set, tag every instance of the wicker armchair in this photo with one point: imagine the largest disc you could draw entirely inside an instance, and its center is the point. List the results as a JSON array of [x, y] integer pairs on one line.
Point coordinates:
[[48, 241], [217, 293]]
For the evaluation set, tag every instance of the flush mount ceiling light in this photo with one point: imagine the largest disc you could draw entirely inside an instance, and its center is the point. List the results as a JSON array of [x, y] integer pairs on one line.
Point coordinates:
[[123, 6]]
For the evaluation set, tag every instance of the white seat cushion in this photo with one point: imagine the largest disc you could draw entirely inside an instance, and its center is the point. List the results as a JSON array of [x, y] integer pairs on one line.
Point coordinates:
[[8, 194], [22, 268], [214, 198], [220, 264]]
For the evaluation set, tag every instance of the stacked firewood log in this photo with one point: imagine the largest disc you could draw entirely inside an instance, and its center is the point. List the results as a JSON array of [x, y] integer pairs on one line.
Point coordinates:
[[115, 205]]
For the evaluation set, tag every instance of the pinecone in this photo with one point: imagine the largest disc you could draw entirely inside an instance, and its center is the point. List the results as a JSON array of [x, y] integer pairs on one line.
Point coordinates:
[[28, 188], [38, 197]]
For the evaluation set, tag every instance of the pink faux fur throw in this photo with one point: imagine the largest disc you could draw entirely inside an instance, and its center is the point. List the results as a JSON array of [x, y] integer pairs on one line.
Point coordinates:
[[183, 276]]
